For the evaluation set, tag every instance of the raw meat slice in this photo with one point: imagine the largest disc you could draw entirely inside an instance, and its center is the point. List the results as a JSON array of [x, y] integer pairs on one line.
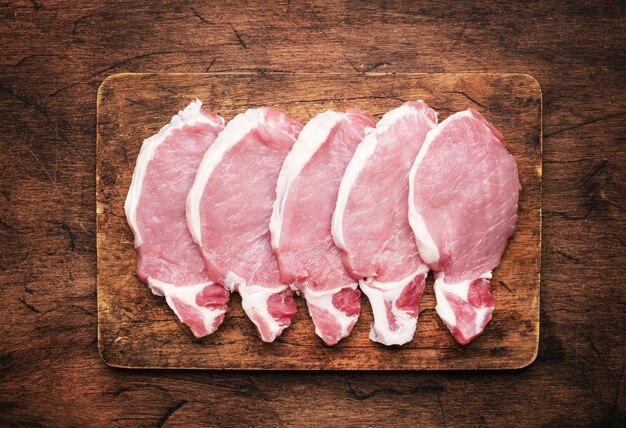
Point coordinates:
[[306, 194], [228, 212], [463, 209], [167, 258], [371, 225]]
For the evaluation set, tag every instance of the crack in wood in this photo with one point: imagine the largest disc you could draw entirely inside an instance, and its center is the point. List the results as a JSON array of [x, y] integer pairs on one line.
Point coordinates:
[[352, 64], [568, 257], [29, 306], [239, 38], [468, 97], [580, 125], [362, 396], [210, 65], [506, 287], [136, 102], [123, 62], [169, 412], [25, 101], [119, 391], [80, 20], [200, 17]]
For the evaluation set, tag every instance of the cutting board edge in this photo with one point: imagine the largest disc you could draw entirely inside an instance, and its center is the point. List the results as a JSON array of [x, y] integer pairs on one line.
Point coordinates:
[[121, 363]]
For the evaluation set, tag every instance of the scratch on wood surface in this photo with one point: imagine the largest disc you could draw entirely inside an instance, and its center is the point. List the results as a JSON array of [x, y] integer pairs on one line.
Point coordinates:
[[580, 125], [120, 63], [171, 91], [80, 20], [42, 166], [362, 396], [469, 98], [25, 101], [170, 411], [210, 65], [502, 284], [238, 36], [200, 17], [119, 391], [568, 257], [354, 67], [29, 306], [135, 102], [29, 57]]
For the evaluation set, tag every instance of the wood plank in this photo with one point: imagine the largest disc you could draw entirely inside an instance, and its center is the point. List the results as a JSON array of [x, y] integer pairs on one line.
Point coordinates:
[[137, 329], [56, 54]]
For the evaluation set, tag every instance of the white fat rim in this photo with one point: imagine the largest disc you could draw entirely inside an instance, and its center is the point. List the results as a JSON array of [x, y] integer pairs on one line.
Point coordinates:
[[230, 136], [429, 252], [361, 155], [190, 116], [357, 164], [460, 289], [186, 294], [323, 299], [312, 137], [380, 292]]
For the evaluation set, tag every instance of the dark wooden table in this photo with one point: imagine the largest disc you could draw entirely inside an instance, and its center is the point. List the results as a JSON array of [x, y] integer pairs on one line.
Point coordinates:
[[55, 54]]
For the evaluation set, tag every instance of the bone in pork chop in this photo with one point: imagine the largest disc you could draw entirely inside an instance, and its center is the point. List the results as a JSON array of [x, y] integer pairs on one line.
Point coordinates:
[[229, 208], [167, 258], [371, 225], [463, 209], [306, 194]]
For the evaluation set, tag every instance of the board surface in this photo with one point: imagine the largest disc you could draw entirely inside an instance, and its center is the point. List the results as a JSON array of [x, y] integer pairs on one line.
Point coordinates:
[[137, 329]]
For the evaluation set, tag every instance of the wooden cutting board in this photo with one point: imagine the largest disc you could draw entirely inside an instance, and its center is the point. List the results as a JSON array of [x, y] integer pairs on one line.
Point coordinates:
[[137, 329]]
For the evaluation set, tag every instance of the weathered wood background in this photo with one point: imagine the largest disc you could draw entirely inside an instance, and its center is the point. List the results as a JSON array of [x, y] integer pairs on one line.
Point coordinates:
[[54, 56]]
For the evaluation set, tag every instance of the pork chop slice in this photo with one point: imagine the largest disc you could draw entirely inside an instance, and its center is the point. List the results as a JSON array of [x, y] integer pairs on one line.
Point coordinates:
[[229, 208], [371, 226], [306, 194], [463, 209], [167, 258]]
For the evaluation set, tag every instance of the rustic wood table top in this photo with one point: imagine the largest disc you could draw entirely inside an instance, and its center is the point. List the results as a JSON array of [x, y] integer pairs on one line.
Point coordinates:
[[55, 54]]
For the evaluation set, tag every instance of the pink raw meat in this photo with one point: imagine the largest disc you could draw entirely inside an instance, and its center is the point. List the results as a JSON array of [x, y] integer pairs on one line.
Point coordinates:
[[463, 209], [305, 200], [371, 225], [167, 258], [228, 212]]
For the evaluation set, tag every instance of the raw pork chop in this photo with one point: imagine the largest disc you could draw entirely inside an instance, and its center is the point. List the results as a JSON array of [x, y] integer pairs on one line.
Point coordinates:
[[167, 258], [306, 194], [371, 225], [463, 209], [228, 211]]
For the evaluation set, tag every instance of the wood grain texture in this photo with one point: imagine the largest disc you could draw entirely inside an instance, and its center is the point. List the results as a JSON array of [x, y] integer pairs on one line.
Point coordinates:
[[137, 329], [56, 54]]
